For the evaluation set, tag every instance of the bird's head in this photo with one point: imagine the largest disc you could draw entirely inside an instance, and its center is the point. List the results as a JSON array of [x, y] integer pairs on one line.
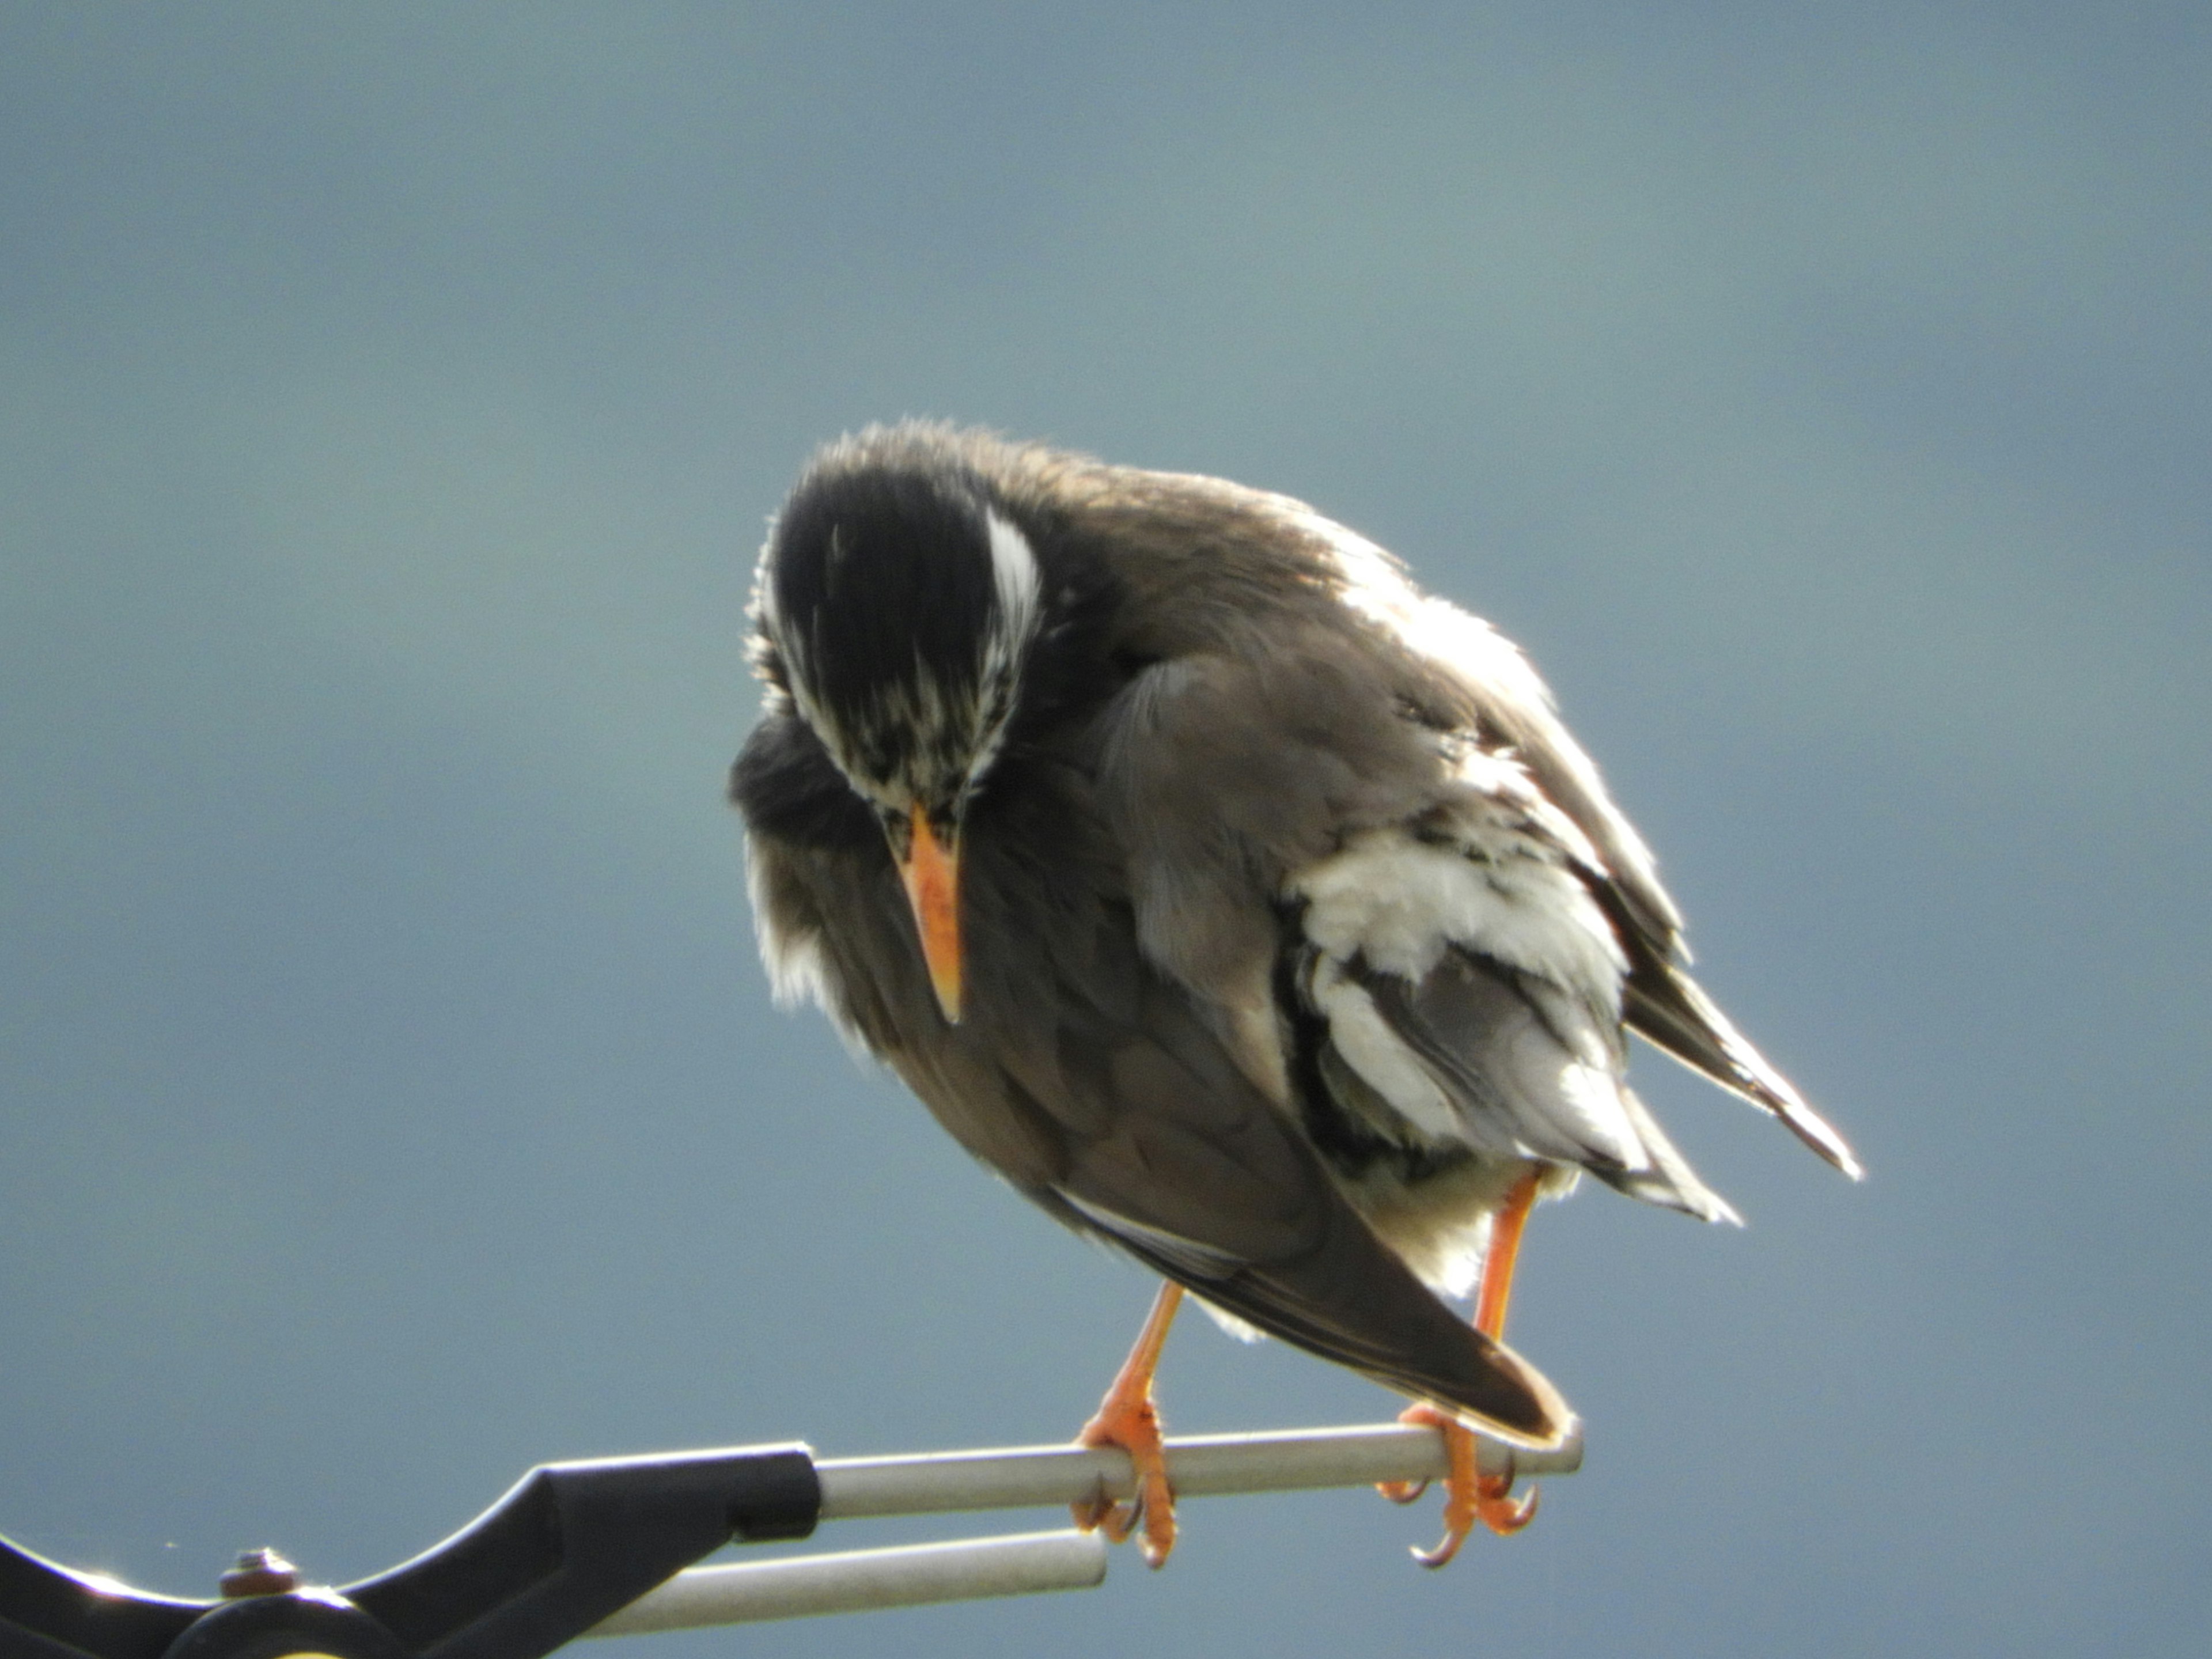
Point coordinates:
[[895, 604]]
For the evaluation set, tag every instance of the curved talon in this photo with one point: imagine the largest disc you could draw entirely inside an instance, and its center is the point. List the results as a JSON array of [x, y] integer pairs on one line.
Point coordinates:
[[1447, 1547], [1093, 1513], [1469, 1495], [1462, 1481], [1403, 1491], [1498, 1510]]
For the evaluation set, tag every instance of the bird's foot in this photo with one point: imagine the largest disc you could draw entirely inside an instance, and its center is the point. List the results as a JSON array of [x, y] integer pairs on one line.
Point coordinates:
[[1469, 1495], [1133, 1424]]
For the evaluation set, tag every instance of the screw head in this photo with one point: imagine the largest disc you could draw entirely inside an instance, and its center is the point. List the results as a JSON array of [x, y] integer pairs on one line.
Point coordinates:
[[259, 1572]]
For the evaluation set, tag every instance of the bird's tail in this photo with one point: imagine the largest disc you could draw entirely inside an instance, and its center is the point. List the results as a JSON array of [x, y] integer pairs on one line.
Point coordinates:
[[1668, 1008], [1350, 1300]]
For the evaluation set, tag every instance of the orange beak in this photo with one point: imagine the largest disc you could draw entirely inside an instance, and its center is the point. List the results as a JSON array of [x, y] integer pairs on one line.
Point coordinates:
[[931, 871]]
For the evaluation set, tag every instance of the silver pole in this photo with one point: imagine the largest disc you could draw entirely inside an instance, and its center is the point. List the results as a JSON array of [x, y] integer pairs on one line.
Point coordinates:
[[863, 1581], [1199, 1466], [935, 1483]]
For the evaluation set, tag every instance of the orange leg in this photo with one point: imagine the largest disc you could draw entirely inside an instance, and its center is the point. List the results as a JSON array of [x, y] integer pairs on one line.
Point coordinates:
[[1127, 1418], [1469, 1495]]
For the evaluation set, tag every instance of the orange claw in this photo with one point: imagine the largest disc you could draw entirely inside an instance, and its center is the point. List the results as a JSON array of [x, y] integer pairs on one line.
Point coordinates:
[[1403, 1492], [1127, 1418], [1136, 1430], [1469, 1495]]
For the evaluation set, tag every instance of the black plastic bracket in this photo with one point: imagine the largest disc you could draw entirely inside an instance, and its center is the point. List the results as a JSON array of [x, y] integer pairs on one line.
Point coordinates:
[[571, 1544]]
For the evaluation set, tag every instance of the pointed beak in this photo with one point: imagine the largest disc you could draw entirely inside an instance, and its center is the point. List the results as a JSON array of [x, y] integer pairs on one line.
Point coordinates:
[[931, 870]]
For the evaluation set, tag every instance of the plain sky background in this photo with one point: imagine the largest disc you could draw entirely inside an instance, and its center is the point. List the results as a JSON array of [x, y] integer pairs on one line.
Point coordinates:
[[391, 401]]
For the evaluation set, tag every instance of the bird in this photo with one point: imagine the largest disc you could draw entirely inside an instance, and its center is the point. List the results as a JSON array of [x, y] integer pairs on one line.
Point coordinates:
[[1241, 905]]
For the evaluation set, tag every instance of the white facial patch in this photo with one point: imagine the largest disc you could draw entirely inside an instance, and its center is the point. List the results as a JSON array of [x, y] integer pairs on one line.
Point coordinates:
[[1014, 571], [1018, 588]]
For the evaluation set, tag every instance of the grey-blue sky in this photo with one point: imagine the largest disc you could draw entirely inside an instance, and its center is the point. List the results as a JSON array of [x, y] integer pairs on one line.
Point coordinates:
[[389, 404]]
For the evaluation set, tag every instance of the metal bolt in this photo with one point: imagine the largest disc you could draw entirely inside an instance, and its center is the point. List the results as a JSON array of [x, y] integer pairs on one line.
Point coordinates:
[[259, 1572]]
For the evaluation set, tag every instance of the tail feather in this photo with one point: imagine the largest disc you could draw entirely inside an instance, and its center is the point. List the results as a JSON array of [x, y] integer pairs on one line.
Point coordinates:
[[1350, 1300], [1668, 1008]]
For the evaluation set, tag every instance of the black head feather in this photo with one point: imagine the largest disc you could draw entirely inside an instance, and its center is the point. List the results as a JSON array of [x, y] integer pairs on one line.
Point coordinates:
[[895, 602]]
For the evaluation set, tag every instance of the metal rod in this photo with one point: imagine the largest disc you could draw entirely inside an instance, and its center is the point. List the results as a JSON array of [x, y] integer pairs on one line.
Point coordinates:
[[937, 1483], [862, 1581], [1199, 1466]]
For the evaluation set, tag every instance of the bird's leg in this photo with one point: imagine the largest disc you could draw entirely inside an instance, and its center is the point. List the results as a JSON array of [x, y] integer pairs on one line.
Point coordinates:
[[1127, 1418], [1469, 1495]]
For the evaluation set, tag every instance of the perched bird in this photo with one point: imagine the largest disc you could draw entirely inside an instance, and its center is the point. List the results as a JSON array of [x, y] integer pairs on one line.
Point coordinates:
[[1240, 905]]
